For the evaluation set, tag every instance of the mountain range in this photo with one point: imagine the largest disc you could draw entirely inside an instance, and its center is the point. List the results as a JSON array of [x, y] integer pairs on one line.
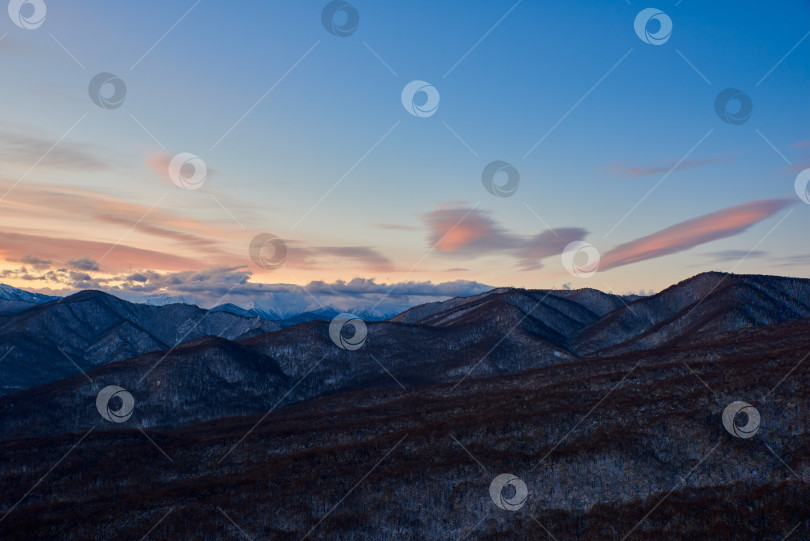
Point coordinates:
[[45, 338], [68, 336], [608, 407], [13, 300]]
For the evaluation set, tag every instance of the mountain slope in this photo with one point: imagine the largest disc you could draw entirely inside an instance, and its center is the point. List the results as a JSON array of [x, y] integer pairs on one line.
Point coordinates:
[[652, 462], [203, 379], [559, 313], [13, 300], [302, 363], [706, 303], [61, 338]]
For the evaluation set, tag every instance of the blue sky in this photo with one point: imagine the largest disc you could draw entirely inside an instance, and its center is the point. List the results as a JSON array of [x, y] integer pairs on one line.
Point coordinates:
[[326, 158]]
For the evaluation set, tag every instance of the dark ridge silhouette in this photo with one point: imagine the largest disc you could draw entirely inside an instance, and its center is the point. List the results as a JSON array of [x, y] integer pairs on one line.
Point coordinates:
[[609, 408]]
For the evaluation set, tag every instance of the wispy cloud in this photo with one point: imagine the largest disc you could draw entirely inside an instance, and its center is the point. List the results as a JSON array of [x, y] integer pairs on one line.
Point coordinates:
[[36, 263], [470, 233], [735, 255], [44, 206], [44, 200], [798, 166], [368, 257], [799, 162], [158, 163], [396, 227], [685, 235], [25, 146], [161, 231], [647, 170], [16, 246], [800, 260]]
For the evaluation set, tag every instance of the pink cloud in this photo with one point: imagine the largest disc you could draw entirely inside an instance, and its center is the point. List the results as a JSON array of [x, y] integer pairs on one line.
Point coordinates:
[[471, 233], [455, 237], [16, 246], [158, 163], [685, 235], [81, 206]]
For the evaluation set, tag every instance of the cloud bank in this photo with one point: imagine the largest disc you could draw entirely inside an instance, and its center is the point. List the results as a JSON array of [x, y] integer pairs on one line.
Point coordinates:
[[212, 287]]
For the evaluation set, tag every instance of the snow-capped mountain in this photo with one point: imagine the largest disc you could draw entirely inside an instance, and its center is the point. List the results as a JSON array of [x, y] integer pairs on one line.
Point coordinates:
[[286, 319], [13, 300]]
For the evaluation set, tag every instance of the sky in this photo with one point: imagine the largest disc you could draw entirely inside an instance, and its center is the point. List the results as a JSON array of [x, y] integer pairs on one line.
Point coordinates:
[[414, 150]]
